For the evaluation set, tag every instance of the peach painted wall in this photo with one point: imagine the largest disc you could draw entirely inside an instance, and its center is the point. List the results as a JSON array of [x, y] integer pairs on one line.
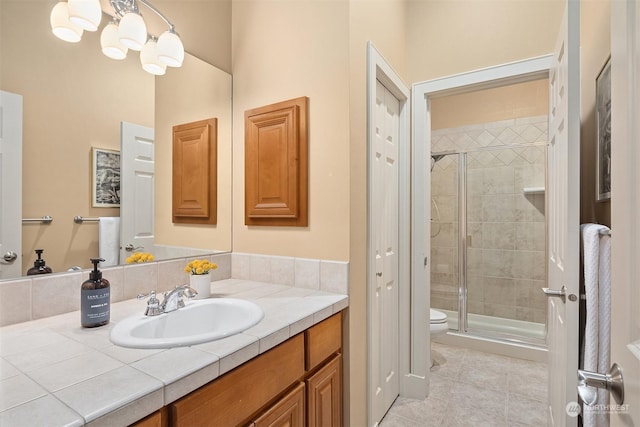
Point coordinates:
[[502, 103], [283, 50], [452, 36], [196, 91], [595, 41]]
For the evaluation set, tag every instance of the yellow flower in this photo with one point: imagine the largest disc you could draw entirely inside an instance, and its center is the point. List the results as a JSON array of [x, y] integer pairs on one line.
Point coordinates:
[[139, 257], [199, 267]]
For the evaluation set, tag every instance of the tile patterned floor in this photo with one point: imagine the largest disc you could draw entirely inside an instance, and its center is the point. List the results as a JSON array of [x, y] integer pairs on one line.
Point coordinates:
[[472, 388]]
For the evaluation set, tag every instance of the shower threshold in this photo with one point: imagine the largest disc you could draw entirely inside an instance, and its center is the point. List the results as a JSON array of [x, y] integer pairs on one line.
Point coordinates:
[[518, 331]]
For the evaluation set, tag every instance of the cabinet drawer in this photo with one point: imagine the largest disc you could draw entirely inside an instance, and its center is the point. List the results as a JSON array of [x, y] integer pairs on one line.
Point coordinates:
[[232, 398], [322, 340]]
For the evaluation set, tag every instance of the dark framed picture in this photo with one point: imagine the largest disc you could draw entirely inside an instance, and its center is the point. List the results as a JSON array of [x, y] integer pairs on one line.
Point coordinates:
[[603, 133], [105, 178]]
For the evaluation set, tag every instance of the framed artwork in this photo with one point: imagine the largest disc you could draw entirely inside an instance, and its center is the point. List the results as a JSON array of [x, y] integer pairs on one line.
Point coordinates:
[[105, 178], [603, 133]]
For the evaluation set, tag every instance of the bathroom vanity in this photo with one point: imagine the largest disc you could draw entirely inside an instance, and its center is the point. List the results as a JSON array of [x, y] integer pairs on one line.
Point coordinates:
[[299, 381], [288, 366]]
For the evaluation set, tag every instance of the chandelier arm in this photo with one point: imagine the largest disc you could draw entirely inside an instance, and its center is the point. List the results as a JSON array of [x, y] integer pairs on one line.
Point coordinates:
[[160, 14], [120, 7]]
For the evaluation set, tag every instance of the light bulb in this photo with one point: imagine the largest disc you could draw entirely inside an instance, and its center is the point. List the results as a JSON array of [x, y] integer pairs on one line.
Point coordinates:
[[110, 42], [149, 59], [61, 26], [85, 13], [170, 49], [132, 31]]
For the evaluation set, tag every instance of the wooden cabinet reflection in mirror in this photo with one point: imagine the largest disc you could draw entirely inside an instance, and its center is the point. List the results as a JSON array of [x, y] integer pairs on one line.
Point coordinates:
[[195, 172]]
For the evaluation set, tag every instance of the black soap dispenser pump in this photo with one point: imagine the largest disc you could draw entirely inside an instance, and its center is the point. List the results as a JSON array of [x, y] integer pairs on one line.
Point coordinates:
[[95, 299], [39, 265]]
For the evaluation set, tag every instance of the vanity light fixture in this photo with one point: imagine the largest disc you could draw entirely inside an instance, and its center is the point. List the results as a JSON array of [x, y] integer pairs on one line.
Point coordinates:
[[61, 26], [85, 13], [126, 31], [110, 42], [149, 58]]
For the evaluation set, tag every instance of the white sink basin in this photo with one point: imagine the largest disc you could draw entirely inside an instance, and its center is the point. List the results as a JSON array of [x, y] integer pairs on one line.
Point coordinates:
[[199, 321]]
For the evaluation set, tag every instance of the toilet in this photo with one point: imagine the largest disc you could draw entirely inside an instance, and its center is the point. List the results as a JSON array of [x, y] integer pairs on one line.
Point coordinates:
[[438, 323], [438, 326]]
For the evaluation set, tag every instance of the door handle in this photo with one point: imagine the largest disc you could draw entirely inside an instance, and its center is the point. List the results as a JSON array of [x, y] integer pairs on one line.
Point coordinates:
[[611, 381], [9, 257], [130, 248]]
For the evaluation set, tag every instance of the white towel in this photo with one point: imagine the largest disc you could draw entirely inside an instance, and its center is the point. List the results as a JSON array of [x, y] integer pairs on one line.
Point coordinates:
[[596, 250], [109, 240]]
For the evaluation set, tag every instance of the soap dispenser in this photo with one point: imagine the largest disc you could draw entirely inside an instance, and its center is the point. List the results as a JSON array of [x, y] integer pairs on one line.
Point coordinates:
[[95, 298], [39, 266]]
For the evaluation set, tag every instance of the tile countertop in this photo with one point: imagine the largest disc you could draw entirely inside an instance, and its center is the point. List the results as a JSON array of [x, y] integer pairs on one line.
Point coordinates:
[[54, 372]]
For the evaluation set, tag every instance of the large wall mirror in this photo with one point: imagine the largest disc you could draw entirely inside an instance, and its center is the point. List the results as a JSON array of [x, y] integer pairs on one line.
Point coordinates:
[[74, 99]]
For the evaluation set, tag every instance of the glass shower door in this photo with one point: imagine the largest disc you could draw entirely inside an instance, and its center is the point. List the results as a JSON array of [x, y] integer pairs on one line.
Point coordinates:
[[506, 241], [445, 235]]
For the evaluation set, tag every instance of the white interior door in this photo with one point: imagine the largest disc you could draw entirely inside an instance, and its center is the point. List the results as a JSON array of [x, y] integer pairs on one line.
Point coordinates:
[[564, 217], [10, 185], [137, 165], [385, 238], [625, 205]]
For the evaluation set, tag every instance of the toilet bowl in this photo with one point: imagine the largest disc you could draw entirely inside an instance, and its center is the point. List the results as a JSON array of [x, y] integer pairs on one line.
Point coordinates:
[[438, 326], [438, 323]]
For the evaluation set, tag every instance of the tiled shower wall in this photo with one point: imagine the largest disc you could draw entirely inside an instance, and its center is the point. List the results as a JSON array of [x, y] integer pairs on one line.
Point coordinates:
[[505, 223]]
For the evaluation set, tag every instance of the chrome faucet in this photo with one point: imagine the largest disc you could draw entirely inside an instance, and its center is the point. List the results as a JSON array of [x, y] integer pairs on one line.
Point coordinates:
[[172, 301]]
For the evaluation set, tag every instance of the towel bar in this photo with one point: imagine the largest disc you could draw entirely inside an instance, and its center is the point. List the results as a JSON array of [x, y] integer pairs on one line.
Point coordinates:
[[604, 232], [45, 219], [79, 220]]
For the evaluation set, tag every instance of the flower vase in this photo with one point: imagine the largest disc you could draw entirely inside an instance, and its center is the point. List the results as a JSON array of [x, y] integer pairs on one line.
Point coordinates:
[[202, 284]]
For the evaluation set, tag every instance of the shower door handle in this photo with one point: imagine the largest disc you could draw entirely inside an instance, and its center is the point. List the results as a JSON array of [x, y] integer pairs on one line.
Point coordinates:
[[562, 293]]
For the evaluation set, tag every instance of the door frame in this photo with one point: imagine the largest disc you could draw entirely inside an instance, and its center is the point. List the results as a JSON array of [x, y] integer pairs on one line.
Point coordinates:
[[625, 204], [485, 78], [410, 333]]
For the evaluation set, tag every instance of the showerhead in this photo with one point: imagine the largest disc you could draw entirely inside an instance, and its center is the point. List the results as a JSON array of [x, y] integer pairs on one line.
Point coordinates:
[[435, 158]]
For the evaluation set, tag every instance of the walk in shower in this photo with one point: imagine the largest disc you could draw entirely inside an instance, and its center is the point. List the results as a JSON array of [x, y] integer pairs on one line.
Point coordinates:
[[488, 232]]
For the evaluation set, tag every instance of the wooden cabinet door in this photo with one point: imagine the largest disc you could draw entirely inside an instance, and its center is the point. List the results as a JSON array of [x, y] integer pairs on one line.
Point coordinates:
[[324, 395], [195, 172], [157, 419], [276, 164], [287, 412]]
